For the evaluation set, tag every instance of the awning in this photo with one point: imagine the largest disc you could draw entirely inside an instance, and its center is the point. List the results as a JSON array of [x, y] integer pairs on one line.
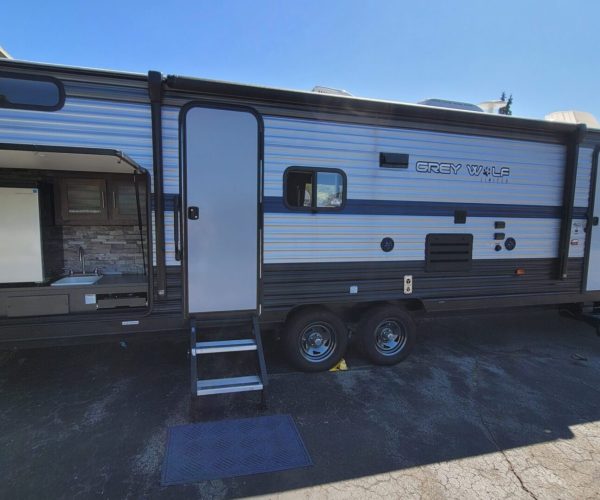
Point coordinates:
[[37, 157]]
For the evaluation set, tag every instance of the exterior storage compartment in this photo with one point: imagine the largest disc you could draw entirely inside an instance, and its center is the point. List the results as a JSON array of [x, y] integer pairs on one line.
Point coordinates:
[[40, 305]]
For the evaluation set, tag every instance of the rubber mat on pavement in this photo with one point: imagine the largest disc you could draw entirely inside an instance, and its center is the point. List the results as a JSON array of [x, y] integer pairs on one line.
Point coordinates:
[[230, 448]]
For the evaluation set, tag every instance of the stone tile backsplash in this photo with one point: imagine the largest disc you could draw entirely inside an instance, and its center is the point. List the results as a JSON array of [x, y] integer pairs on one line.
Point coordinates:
[[109, 248]]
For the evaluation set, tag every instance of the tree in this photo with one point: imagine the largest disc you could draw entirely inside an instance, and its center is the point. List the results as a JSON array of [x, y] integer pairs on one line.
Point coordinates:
[[506, 109]]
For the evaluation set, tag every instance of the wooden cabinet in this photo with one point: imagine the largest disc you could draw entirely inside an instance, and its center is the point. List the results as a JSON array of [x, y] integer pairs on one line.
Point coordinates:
[[123, 202], [82, 201], [109, 200]]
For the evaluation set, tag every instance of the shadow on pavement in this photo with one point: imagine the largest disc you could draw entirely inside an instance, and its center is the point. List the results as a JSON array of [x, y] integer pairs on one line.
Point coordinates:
[[90, 421]]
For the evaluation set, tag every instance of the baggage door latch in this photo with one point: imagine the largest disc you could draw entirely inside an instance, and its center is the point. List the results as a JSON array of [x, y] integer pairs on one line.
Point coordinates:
[[193, 213]]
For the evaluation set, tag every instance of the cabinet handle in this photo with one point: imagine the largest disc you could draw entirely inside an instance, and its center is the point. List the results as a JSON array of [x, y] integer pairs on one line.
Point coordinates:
[[103, 199], [114, 200]]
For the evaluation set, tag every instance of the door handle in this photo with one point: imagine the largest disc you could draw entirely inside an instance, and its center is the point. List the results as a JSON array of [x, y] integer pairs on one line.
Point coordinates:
[[176, 228], [193, 213], [594, 221]]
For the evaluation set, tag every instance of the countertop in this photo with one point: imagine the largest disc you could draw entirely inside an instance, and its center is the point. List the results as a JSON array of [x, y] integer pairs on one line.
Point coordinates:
[[108, 282]]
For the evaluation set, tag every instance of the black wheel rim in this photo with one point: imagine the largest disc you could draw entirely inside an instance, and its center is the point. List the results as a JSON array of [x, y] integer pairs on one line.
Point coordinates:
[[317, 341], [390, 337]]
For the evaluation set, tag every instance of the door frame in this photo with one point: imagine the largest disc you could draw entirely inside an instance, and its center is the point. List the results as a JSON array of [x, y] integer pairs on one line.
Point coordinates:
[[589, 227], [184, 203]]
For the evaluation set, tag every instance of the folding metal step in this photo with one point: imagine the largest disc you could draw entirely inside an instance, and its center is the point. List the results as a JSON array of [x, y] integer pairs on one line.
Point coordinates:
[[228, 385], [225, 346], [205, 387]]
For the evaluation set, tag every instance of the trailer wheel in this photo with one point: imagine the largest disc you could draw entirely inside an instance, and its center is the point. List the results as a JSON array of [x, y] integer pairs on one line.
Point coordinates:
[[387, 334], [315, 339]]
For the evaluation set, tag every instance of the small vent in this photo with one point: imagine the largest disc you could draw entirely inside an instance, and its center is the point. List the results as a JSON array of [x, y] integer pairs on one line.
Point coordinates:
[[393, 160], [448, 252]]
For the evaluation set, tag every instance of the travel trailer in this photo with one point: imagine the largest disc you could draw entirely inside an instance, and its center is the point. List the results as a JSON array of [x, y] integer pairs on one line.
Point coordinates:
[[134, 204]]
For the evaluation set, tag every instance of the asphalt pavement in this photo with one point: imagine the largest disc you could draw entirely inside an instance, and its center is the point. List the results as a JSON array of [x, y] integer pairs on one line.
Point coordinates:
[[487, 406]]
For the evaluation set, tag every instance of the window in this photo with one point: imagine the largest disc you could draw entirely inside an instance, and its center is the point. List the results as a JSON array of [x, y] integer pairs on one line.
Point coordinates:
[[29, 92], [314, 188]]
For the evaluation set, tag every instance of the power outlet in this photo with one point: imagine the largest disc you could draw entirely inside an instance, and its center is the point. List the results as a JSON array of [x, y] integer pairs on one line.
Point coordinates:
[[408, 284]]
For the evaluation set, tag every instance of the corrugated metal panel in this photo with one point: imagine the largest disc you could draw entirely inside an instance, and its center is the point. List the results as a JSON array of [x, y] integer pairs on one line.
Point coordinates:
[[584, 172], [169, 240], [170, 124], [99, 123], [290, 285], [84, 123], [536, 169], [536, 178], [301, 237]]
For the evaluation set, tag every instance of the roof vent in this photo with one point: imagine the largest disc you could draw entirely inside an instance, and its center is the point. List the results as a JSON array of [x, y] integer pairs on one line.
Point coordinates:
[[493, 107], [4, 54], [443, 103], [572, 116], [328, 90]]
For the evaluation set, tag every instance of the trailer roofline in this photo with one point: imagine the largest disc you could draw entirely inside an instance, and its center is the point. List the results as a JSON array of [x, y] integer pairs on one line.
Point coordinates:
[[282, 96], [77, 70], [410, 111]]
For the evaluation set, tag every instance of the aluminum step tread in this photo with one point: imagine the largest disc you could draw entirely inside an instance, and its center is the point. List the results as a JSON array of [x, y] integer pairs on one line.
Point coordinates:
[[225, 346], [228, 385]]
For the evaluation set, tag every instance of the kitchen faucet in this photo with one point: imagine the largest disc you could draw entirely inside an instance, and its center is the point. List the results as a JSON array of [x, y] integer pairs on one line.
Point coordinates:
[[82, 259]]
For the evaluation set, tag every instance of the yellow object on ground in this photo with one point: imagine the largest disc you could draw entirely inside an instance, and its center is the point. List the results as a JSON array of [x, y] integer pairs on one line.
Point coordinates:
[[341, 366]]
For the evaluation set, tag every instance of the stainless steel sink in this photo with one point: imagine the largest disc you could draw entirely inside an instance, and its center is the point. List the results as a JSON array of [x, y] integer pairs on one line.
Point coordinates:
[[77, 280]]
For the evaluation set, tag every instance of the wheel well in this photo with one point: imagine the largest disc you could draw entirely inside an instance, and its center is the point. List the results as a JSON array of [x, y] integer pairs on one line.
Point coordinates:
[[351, 312]]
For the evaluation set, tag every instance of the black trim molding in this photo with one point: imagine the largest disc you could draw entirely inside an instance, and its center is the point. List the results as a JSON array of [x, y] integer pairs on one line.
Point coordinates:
[[155, 83], [568, 199]]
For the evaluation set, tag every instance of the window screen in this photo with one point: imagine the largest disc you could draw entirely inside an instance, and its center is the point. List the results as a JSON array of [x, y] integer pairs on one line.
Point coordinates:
[[314, 189], [43, 93]]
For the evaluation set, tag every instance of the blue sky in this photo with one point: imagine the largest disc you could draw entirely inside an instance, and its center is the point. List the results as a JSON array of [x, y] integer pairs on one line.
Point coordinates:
[[543, 52]]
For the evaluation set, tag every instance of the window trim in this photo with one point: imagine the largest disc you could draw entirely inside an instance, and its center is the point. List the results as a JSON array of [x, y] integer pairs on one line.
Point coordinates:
[[40, 78], [315, 170]]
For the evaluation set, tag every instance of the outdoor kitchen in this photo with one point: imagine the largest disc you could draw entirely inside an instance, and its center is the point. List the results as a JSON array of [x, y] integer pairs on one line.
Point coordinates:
[[73, 241]]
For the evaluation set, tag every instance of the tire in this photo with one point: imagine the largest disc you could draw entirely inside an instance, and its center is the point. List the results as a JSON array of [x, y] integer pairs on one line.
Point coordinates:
[[314, 339], [387, 334]]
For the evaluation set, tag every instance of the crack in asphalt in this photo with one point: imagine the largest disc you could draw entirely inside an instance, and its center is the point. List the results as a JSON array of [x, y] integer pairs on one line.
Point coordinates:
[[490, 434]]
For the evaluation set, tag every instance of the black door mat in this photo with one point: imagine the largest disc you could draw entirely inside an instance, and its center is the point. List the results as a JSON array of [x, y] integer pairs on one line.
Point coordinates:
[[230, 448]]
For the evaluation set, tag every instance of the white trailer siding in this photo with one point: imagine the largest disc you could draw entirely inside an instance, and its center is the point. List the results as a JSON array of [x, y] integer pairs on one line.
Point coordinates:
[[102, 123], [584, 173], [535, 185], [536, 169]]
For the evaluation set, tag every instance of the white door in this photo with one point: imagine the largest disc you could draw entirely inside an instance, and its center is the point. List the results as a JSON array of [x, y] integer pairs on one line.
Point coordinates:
[[222, 189]]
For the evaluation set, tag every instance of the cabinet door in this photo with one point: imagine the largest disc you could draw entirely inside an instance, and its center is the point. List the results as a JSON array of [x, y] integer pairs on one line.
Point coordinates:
[[123, 203], [83, 201]]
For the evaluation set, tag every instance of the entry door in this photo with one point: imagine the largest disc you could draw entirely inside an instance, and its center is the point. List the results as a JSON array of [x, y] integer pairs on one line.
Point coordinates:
[[593, 232], [222, 174]]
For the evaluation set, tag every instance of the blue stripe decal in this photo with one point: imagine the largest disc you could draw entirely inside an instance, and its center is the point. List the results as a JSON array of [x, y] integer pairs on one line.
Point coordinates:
[[274, 204]]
